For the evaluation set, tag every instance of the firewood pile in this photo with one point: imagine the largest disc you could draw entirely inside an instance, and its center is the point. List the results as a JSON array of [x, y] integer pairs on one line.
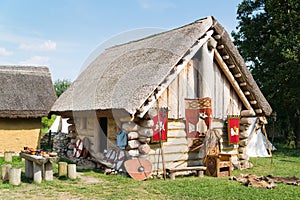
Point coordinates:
[[267, 182]]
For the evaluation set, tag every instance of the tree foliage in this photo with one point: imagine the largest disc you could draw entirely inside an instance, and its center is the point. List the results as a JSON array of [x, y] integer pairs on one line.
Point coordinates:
[[61, 85], [268, 37]]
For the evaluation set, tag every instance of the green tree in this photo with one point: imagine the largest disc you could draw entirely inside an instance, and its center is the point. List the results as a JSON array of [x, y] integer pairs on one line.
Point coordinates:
[[61, 85], [268, 37]]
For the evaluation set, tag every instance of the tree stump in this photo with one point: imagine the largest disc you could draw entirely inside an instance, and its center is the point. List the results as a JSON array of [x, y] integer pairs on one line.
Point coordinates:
[[15, 176], [5, 172], [62, 169], [72, 171], [8, 156]]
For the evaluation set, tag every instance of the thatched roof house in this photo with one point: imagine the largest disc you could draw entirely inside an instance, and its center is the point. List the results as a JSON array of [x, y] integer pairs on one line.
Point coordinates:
[[27, 94], [194, 61], [124, 76]]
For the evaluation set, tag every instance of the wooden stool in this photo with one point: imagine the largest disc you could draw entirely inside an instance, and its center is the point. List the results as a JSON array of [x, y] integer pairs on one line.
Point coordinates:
[[218, 165]]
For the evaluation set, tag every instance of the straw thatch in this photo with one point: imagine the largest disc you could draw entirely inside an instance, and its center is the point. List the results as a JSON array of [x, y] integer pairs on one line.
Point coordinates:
[[122, 77], [26, 92]]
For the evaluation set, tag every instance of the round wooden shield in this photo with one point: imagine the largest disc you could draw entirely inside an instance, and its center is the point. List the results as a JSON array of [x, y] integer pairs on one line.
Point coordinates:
[[139, 169]]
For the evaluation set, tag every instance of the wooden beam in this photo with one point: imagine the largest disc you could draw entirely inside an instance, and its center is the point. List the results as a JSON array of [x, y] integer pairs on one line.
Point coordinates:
[[231, 79], [179, 66], [220, 47], [243, 84], [247, 93], [253, 102], [225, 57], [259, 111], [217, 37], [238, 75]]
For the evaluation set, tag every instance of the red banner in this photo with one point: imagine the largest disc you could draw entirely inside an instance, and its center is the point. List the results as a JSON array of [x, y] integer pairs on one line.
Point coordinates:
[[160, 126], [233, 129], [198, 116]]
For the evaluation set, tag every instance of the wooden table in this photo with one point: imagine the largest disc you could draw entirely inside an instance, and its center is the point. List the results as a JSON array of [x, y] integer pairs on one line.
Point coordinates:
[[36, 165]]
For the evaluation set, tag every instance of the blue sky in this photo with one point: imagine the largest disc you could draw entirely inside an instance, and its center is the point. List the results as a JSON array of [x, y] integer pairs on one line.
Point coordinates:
[[61, 34]]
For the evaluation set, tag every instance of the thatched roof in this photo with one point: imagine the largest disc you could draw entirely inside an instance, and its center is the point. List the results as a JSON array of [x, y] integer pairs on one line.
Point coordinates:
[[26, 92], [124, 76]]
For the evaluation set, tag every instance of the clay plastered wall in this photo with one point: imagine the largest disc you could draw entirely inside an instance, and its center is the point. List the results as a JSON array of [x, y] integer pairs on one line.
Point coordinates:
[[15, 134]]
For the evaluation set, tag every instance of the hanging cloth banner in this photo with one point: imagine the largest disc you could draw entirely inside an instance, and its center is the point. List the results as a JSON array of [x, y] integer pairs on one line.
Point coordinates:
[[198, 113], [233, 129], [160, 123]]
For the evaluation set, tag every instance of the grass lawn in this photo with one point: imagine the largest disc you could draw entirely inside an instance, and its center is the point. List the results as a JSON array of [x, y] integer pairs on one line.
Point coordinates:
[[96, 185]]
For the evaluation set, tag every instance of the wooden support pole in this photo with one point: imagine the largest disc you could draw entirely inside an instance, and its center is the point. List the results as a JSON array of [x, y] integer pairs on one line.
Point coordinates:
[[160, 140], [37, 173], [48, 176]]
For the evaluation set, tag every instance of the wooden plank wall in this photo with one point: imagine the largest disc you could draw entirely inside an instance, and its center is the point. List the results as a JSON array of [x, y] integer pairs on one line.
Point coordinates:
[[225, 100]]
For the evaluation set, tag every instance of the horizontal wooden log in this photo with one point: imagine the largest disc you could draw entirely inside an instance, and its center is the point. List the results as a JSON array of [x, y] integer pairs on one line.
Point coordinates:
[[247, 120], [243, 156], [242, 150], [248, 113], [176, 141], [133, 144], [176, 133], [171, 149], [243, 143], [146, 123], [132, 135], [176, 125], [144, 149], [244, 127], [148, 132], [243, 134], [130, 126], [144, 139], [133, 152]]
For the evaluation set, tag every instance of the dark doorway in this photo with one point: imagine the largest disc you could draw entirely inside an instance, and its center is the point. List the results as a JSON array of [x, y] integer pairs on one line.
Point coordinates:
[[103, 133]]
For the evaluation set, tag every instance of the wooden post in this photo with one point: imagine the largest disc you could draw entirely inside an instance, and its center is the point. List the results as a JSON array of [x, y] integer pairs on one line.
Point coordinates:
[[15, 176], [72, 171], [160, 141], [48, 176], [62, 169], [8, 156], [5, 172], [28, 168], [37, 173]]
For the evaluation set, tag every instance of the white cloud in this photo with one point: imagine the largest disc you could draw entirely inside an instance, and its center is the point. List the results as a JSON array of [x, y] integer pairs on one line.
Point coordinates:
[[4, 52], [44, 46], [36, 60]]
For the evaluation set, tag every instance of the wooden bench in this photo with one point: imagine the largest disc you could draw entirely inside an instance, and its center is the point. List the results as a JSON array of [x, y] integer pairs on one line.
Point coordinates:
[[173, 171]]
